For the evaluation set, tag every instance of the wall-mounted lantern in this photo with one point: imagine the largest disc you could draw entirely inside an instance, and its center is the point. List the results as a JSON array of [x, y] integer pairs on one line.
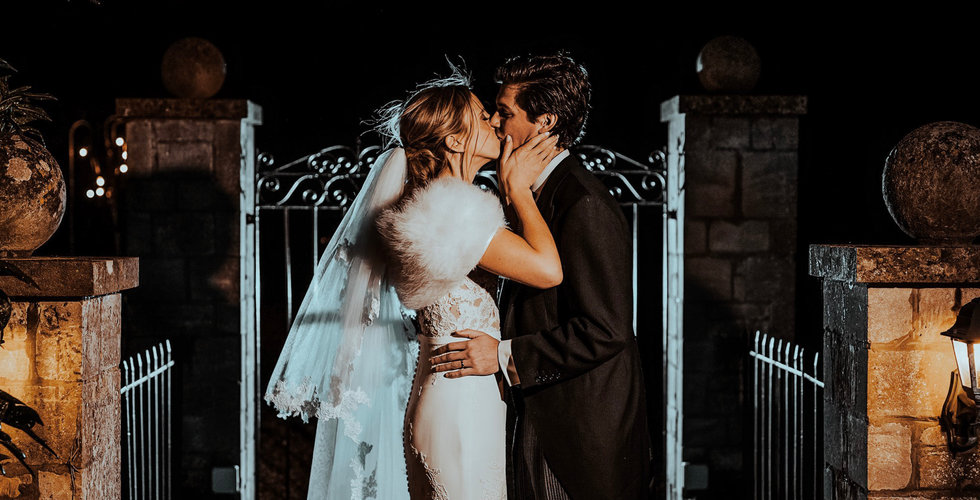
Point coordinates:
[[959, 417]]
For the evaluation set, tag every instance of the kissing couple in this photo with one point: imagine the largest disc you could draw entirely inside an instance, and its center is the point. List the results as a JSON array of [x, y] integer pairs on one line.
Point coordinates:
[[426, 386]]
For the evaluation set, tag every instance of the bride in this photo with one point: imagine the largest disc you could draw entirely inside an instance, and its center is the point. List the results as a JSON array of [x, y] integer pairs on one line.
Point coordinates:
[[411, 241]]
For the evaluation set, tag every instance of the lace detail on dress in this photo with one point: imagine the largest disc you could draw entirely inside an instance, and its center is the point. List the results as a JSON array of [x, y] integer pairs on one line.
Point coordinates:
[[296, 402], [467, 306], [362, 485], [438, 491]]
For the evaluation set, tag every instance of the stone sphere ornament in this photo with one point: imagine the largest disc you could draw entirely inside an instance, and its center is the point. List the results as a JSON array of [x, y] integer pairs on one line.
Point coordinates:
[[931, 183], [728, 64], [32, 195], [193, 68]]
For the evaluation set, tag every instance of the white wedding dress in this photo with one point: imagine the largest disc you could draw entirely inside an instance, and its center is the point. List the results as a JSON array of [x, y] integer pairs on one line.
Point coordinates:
[[349, 356], [454, 431], [454, 428]]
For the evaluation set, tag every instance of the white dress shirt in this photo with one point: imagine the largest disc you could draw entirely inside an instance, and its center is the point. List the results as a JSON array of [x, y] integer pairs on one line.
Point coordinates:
[[505, 357]]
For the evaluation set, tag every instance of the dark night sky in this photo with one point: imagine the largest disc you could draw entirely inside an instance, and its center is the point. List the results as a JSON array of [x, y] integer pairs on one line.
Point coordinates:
[[319, 68]]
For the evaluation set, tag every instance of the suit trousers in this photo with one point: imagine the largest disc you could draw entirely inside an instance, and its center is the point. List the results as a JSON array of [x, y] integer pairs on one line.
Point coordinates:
[[532, 478]]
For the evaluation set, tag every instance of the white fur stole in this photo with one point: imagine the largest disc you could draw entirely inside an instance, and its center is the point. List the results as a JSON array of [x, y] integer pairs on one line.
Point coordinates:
[[437, 237]]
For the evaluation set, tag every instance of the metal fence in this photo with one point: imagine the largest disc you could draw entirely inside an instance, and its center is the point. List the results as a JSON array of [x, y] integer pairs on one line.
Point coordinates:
[[787, 420], [146, 423]]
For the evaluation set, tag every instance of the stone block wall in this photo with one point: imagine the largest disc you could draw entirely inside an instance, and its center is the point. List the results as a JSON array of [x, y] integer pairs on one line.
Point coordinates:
[[61, 357], [888, 370], [909, 367], [183, 214], [845, 363], [736, 161]]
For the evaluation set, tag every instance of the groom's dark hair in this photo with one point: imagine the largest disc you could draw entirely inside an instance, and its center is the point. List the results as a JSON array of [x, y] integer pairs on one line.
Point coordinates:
[[551, 84]]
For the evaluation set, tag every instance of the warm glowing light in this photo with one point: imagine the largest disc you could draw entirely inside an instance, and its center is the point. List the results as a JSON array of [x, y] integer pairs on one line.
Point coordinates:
[[99, 181], [125, 155], [90, 193], [83, 152], [963, 361], [120, 141], [100, 191], [123, 168]]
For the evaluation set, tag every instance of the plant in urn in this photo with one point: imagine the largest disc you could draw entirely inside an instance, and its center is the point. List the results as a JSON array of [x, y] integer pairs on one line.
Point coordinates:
[[32, 190]]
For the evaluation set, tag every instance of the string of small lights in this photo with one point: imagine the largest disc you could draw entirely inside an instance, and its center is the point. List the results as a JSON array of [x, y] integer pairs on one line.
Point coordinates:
[[106, 163], [97, 161]]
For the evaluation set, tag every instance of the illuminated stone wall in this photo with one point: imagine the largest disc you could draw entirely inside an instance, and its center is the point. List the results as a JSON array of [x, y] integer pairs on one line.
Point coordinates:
[[61, 357], [888, 369]]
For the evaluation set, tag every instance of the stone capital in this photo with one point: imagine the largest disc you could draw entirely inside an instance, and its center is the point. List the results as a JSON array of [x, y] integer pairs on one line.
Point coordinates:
[[747, 105], [891, 264], [203, 109], [72, 277]]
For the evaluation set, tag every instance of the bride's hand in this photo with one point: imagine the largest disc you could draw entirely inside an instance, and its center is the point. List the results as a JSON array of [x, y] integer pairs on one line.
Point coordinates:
[[519, 168]]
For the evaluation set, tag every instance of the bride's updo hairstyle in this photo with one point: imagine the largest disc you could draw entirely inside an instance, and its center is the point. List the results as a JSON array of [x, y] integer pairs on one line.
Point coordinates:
[[435, 110]]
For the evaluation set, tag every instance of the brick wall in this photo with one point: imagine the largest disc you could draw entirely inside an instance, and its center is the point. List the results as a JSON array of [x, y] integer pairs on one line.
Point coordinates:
[[734, 162], [61, 357], [887, 370], [182, 214]]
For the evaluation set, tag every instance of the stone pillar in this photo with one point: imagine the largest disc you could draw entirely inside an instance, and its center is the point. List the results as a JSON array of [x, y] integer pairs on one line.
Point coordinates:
[[61, 357], [186, 212], [730, 269], [887, 369]]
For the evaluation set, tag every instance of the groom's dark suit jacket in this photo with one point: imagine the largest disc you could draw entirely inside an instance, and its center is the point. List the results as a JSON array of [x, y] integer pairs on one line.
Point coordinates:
[[574, 348]]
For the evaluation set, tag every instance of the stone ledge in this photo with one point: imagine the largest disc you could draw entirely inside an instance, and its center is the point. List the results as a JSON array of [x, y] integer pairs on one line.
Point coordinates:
[[896, 264], [733, 105], [204, 109], [72, 276]]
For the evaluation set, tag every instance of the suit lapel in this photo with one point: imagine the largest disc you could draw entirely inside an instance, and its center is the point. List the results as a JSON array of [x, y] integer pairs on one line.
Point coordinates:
[[546, 199], [511, 290]]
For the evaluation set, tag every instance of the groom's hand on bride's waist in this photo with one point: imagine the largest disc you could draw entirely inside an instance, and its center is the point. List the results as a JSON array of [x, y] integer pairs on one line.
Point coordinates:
[[477, 356]]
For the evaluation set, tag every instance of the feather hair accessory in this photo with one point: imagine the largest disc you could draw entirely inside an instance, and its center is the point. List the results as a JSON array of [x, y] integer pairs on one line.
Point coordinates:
[[437, 236]]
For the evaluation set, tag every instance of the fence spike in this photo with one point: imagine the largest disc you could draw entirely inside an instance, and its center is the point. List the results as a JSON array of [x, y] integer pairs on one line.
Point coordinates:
[[781, 421], [145, 464]]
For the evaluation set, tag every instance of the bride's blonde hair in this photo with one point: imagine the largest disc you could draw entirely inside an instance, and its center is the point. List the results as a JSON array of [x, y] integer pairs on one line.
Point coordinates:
[[435, 110]]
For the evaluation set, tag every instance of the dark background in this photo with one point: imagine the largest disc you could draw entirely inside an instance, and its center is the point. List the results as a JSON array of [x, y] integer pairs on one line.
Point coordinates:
[[319, 69]]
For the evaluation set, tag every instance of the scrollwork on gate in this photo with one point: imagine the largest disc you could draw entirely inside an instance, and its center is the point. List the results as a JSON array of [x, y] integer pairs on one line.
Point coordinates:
[[331, 177]]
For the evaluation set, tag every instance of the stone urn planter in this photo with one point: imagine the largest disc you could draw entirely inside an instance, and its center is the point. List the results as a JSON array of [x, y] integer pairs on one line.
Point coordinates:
[[32, 195], [32, 190]]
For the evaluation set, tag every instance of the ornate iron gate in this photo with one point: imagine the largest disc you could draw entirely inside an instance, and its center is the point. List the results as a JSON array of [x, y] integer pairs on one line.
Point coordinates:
[[315, 190]]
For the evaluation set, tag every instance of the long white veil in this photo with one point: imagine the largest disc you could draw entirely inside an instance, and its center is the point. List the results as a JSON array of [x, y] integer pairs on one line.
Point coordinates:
[[350, 355]]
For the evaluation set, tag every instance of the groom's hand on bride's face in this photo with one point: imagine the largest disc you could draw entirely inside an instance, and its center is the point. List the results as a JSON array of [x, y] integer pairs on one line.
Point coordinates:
[[477, 356]]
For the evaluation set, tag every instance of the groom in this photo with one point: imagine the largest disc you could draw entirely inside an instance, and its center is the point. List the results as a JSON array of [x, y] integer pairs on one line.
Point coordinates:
[[577, 423]]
